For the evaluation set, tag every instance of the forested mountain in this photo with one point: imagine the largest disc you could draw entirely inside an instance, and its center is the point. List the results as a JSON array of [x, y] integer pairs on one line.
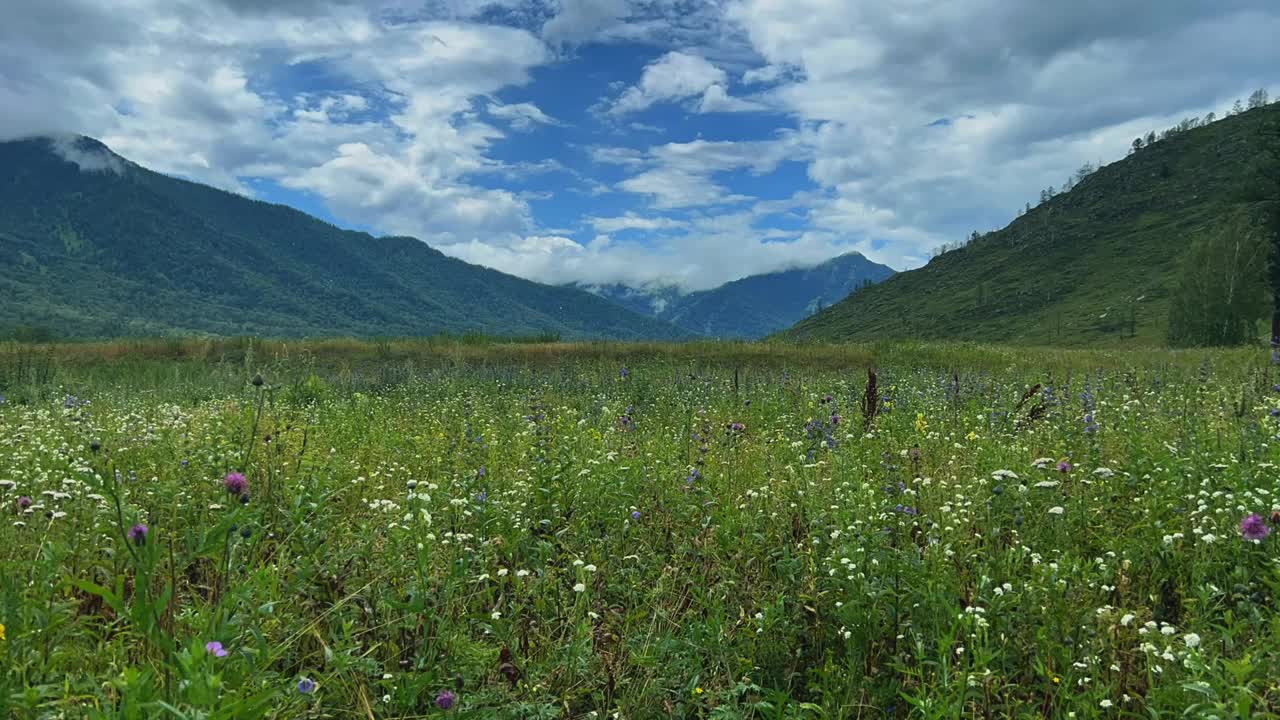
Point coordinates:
[[102, 247], [753, 306], [1181, 229]]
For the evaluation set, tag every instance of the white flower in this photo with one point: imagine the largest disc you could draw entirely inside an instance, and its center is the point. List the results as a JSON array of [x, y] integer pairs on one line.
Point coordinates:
[[1104, 472], [522, 573], [1047, 484], [1167, 630], [502, 572], [1056, 510], [590, 568], [496, 615], [1128, 618], [1004, 475], [1105, 704], [1191, 639], [579, 588]]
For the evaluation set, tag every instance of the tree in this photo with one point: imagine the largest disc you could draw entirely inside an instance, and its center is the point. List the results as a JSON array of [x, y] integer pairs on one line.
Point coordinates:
[[1224, 290], [1258, 99], [1211, 117], [1137, 145], [1237, 108], [1262, 187], [1151, 137]]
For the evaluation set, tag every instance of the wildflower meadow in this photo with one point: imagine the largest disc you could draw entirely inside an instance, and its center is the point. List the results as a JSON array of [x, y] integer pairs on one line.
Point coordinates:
[[299, 531]]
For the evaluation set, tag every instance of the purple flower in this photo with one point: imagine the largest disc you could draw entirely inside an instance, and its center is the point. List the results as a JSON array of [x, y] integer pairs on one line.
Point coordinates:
[[215, 649], [737, 427], [635, 514], [138, 534], [24, 502], [446, 699], [306, 686], [1064, 466], [1253, 527], [235, 483]]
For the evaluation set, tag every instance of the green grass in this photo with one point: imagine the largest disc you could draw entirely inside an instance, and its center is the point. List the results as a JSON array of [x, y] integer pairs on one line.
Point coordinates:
[[1093, 267], [425, 516]]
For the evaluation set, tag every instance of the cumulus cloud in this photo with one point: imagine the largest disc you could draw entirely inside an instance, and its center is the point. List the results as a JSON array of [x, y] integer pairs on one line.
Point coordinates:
[[632, 221], [1029, 90], [678, 175], [579, 20], [913, 126], [521, 116], [678, 76], [674, 76]]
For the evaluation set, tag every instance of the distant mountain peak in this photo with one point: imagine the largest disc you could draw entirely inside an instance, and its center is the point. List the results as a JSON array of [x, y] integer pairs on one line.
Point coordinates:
[[752, 306]]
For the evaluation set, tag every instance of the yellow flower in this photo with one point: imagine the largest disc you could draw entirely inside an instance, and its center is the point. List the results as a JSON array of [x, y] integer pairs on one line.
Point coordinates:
[[2, 637], [697, 691], [1057, 680], [971, 436], [921, 423]]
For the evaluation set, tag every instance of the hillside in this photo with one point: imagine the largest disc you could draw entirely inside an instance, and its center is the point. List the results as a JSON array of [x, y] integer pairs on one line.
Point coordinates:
[[1094, 266], [753, 306], [118, 250]]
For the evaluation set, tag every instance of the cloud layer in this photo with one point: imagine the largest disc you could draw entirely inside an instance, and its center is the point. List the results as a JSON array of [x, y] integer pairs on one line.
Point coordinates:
[[633, 140]]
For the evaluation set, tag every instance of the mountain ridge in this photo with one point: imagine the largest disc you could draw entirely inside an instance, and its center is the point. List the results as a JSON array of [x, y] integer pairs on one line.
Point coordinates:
[[752, 306], [1094, 266], [120, 250]]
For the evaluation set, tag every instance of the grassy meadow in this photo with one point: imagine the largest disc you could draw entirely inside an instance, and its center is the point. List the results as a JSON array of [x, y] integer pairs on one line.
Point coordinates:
[[413, 529]]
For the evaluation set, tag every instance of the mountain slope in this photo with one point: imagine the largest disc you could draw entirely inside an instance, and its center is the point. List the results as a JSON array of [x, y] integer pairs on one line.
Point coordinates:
[[115, 249], [753, 306], [1094, 266]]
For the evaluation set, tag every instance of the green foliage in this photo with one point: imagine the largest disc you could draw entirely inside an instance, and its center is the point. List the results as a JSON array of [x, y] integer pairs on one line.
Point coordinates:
[[1224, 291], [744, 545], [137, 253], [1097, 266]]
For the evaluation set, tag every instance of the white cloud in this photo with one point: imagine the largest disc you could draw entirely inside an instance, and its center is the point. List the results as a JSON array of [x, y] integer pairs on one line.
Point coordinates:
[[580, 20], [191, 94], [674, 76], [416, 97], [715, 99], [1063, 84], [680, 175], [521, 116], [631, 221]]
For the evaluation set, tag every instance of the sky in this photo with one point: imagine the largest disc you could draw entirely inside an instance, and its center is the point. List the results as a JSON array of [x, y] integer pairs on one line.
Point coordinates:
[[633, 141]]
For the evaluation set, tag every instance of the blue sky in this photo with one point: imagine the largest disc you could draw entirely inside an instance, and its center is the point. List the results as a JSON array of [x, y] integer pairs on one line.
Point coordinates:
[[634, 141]]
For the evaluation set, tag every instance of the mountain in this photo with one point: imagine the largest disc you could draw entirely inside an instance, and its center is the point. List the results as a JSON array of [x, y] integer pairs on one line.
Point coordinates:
[[754, 306], [1094, 266], [92, 245]]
